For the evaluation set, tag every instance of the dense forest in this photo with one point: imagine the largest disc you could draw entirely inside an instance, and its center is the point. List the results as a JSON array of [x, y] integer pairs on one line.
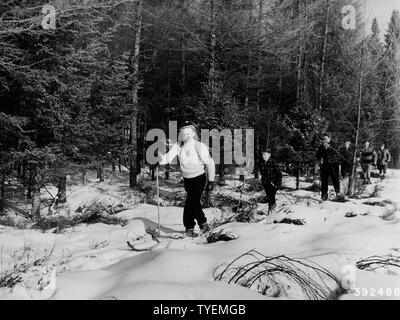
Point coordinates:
[[81, 94]]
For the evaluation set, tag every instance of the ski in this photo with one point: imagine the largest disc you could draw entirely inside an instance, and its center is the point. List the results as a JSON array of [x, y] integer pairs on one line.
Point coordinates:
[[141, 246], [157, 235]]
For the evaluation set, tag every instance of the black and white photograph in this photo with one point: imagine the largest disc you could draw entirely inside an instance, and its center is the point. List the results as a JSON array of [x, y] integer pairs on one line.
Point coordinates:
[[199, 151]]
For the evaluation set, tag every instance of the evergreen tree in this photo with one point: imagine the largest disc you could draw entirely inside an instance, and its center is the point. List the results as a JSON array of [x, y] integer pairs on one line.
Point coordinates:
[[390, 89]]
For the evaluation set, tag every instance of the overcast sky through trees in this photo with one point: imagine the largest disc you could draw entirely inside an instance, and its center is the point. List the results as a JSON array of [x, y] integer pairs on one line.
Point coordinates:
[[382, 10]]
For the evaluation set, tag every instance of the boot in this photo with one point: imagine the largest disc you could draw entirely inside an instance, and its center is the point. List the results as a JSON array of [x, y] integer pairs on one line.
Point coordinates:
[[190, 233], [271, 208], [340, 197], [205, 228]]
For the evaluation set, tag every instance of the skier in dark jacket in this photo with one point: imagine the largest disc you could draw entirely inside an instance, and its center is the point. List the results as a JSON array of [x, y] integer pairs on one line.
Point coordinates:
[[328, 158], [383, 159], [346, 159], [271, 178]]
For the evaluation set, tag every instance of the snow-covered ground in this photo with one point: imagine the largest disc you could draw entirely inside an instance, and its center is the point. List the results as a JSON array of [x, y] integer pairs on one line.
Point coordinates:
[[94, 262]]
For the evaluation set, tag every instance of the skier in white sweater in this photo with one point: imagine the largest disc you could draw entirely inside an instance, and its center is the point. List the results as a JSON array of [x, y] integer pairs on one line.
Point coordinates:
[[193, 156]]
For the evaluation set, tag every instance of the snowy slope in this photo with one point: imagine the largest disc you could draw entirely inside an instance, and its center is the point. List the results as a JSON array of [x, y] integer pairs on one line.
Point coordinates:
[[93, 262]]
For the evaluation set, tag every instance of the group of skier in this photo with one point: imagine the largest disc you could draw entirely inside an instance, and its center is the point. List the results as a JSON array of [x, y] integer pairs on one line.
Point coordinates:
[[337, 164], [194, 157]]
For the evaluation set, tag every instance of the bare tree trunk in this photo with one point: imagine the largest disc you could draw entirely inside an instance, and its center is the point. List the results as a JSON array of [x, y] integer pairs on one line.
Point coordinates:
[[30, 184], [269, 121], [23, 171], [299, 67], [2, 190], [169, 78], [280, 85], [183, 75], [259, 20], [36, 205], [167, 167], [144, 137], [247, 98], [258, 92], [213, 43], [36, 196], [297, 176], [19, 170], [83, 176], [62, 190], [221, 167], [352, 179], [135, 98], [299, 73], [323, 59], [140, 142], [100, 172]]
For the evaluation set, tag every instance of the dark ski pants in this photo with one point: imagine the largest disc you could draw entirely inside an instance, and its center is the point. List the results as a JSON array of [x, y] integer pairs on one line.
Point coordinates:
[[193, 211], [366, 168], [346, 171], [329, 170], [270, 191], [382, 169]]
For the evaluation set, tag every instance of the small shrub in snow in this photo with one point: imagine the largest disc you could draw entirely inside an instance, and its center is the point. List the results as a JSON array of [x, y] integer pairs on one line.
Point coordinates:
[[46, 223], [9, 280], [389, 215], [61, 223], [379, 203], [131, 199], [297, 222], [221, 235], [174, 198], [315, 186], [14, 221], [101, 206], [24, 260], [226, 217], [377, 262], [243, 210], [350, 214], [273, 276], [98, 245], [251, 185], [359, 189], [362, 191], [377, 189]]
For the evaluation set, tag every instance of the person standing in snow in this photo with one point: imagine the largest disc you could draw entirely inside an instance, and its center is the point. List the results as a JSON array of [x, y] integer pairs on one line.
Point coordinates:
[[367, 157], [193, 156], [328, 158], [271, 178], [346, 165], [346, 160], [383, 159]]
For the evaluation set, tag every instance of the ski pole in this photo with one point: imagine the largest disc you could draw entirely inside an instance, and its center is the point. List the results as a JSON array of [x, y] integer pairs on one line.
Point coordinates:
[[158, 202]]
